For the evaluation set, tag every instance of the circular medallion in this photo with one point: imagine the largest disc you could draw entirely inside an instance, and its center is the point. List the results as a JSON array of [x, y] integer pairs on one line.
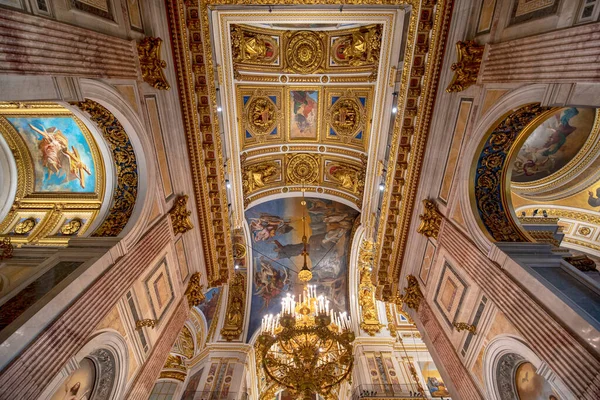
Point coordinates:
[[302, 169], [305, 52], [71, 227], [25, 226], [584, 230], [345, 117], [239, 251], [261, 115]]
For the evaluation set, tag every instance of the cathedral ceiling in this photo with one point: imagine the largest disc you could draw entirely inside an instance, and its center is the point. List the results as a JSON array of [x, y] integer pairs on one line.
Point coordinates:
[[277, 100]]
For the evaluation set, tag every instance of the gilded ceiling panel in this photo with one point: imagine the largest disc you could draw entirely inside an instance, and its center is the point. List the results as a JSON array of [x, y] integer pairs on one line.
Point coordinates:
[[304, 114]]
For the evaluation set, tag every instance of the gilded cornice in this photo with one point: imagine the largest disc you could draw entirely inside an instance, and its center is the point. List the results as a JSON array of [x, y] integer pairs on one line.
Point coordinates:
[[426, 42]]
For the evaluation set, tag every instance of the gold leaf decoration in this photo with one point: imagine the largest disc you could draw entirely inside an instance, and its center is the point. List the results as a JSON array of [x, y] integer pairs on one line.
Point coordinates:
[[151, 64], [180, 216], [234, 318], [194, 291], [466, 68], [430, 220]]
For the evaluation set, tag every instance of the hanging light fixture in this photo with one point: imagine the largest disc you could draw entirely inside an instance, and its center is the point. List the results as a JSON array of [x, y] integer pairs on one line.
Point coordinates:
[[307, 347]]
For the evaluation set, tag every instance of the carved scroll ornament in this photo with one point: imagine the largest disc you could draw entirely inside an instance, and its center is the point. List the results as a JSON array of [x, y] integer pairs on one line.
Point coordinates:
[[466, 68], [180, 216], [151, 64], [194, 291], [430, 220], [366, 291], [412, 293]]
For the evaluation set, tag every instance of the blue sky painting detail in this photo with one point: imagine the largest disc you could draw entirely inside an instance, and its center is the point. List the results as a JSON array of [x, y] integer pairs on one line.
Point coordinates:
[[61, 155]]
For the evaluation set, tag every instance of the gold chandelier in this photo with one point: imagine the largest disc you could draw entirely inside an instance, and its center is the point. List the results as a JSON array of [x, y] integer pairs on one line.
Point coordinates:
[[307, 347]]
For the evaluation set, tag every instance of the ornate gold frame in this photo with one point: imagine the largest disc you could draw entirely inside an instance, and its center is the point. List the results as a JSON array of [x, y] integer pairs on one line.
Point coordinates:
[[52, 209]]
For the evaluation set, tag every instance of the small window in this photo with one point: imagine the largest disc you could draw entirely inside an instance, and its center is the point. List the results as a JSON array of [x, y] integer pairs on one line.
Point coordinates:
[[163, 391], [588, 11]]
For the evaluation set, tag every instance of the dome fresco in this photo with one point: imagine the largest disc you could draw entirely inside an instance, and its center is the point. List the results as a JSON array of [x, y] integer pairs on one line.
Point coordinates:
[[554, 143]]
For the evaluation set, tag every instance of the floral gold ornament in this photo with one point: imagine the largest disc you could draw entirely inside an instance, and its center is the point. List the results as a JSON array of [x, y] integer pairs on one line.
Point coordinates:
[[389, 308], [25, 226], [252, 48], [366, 291], [463, 326], [177, 375], [302, 168], [239, 251], [412, 293], [151, 64], [490, 174], [150, 323], [466, 68], [258, 175], [194, 291], [125, 194], [584, 230], [6, 249], [305, 51], [180, 216], [71, 227], [234, 317], [360, 48], [261, 116], [430, 220], [346, 117]]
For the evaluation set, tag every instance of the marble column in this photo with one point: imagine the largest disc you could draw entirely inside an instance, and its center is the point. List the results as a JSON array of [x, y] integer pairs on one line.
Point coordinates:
[[566, 55], [35, 45], [144, 382], [32, 370]]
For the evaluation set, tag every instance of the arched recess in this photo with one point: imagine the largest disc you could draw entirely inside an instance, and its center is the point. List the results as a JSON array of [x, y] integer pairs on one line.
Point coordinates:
[[108, 353], [501, 359], [526, 95]]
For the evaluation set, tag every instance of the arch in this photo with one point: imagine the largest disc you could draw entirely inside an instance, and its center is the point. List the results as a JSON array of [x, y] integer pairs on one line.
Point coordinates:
[[109, 353], [109, 98], [8, 178], [536, 93], [501, 358]]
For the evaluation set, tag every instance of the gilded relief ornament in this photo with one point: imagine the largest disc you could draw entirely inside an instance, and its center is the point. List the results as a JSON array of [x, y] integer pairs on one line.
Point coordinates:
[[360, 48], [150, 323], [180, 216], [71, 227], [6, 249], [430, 220], [25, 226], [302, 169], [125, 194], [346, 117], [261, 116], [175, 361], [466, 68], [151, 64], [253, 48], [194, 291], [349, 177], [490, 175], [234, 319], [258, 175], [463, 326], [305, 51], [366, 291], [412, 293]]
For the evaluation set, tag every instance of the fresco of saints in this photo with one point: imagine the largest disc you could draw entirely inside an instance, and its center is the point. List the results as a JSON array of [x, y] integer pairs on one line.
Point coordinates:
[[266, 226], [304, 112], [57, 158], [270, 282]]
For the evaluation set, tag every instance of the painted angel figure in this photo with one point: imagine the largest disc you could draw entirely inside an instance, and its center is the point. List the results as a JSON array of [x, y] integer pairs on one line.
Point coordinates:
[[57, 157]]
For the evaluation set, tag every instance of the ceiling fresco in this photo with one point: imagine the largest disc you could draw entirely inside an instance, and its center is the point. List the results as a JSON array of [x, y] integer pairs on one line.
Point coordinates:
[[276, 230], [556, 143]]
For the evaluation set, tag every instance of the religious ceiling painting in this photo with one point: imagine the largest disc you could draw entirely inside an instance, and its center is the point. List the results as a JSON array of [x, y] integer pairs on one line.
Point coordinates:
[[61, 154], [304, 114], [433, 379], [79, 385], [556, 142], [276, 229], [209, 308], [58, 162], [531, 386]]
